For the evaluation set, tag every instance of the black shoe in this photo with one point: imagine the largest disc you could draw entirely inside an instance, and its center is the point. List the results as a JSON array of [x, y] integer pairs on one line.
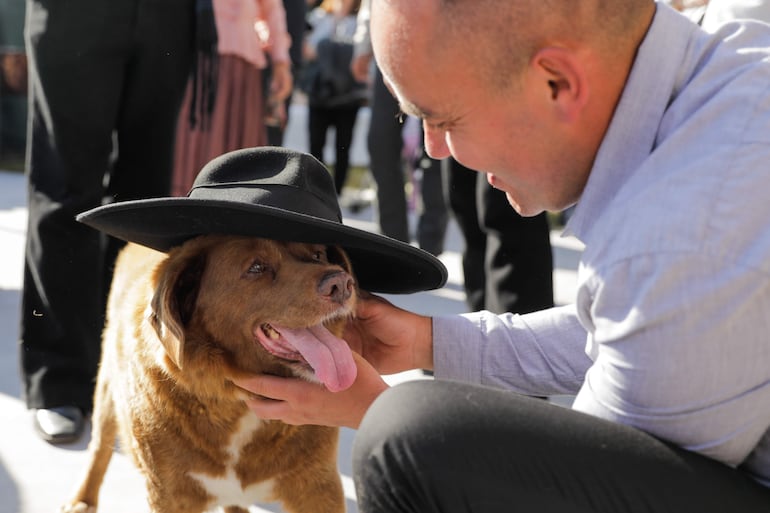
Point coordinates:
[[60, 425]]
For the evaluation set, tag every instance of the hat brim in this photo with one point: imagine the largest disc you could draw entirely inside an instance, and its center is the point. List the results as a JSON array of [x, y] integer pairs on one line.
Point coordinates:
[[381, 264]]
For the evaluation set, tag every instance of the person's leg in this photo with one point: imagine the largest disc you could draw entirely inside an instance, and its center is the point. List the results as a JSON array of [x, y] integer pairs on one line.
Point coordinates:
[[434, 218], [84, 73], [317, 124], [443, 446], [345, 122], [385, 146], [461, 198], [151, 96], [76, 70], [519, 261]]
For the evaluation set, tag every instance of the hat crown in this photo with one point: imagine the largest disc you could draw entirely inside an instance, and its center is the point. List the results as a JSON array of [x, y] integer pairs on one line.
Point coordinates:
[[271, 176]]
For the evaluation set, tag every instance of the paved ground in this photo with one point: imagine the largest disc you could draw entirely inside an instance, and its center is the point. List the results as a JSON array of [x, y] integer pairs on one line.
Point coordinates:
[[35, 477]]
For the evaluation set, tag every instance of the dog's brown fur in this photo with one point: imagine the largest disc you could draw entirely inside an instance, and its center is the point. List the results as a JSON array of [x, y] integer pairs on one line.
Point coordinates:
[[179, 328]]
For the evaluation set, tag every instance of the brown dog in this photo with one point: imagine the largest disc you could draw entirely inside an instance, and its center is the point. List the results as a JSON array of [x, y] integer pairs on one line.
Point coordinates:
[[180, 327]]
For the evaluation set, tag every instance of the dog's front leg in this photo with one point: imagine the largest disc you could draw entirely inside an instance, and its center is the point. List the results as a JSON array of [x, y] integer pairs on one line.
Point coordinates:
[[103, 436]]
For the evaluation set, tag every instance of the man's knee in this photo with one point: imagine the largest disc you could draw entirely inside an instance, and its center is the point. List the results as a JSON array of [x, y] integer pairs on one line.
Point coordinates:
[[397, 415], [392, 447]]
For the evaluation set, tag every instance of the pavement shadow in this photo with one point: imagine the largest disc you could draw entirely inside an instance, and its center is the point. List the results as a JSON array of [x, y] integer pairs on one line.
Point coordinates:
[[9, 357], [566, 258], [10, 198]]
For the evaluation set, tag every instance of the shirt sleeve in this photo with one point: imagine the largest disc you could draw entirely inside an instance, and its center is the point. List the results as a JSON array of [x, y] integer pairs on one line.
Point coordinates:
[[541, 353], [680, 343]]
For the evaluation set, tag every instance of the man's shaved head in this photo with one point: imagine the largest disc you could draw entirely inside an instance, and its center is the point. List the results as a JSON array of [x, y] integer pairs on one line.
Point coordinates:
[[500, 36]]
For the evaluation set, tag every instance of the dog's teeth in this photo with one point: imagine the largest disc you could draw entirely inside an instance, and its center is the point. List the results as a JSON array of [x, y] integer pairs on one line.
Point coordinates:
[[270, 332]]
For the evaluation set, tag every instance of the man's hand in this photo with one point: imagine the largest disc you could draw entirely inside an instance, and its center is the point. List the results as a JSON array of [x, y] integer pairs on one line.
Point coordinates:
[[390, 338], [296, 401]]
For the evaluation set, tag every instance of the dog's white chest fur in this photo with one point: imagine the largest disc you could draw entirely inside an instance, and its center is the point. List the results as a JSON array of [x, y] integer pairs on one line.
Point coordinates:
[[227, 490]]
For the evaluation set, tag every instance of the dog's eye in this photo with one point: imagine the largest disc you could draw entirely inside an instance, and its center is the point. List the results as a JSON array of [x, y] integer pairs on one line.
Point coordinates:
[[319, 256], [257, 268]]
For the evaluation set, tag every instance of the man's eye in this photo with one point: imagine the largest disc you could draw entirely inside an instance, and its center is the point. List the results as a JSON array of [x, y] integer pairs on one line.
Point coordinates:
[[439, 126]]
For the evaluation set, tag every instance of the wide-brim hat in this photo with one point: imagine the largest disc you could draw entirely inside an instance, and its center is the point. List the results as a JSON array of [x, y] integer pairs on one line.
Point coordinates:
[[273, 193]]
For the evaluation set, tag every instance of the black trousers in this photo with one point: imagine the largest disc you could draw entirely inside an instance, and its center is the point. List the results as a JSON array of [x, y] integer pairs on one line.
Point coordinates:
[[343, 119], [100, 73], [442, 446], [507, 260], [385, 145]]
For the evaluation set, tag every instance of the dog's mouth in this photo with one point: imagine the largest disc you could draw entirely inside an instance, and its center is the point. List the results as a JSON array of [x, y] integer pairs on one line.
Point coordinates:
[[329, 356]]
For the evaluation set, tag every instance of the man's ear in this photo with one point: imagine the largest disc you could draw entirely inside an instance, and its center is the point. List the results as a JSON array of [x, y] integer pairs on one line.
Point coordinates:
[[563, 78]]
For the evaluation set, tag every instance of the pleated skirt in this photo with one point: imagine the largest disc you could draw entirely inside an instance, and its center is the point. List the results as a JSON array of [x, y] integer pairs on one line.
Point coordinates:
[[237, 121]]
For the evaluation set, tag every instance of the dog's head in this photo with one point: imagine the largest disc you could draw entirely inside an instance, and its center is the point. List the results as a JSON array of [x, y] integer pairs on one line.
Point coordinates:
[[256, 305]]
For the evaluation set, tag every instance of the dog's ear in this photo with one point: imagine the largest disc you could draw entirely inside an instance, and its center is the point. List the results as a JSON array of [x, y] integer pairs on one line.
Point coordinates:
[[176, 291]]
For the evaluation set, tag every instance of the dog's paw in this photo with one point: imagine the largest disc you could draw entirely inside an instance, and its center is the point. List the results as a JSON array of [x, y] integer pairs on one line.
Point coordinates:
[[78, 507]]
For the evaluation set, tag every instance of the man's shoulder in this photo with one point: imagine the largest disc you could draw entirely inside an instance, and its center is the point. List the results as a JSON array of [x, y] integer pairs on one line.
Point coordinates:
[[712, 201]]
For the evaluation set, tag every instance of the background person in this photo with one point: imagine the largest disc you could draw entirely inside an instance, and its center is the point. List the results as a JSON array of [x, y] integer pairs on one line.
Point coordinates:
[[507, 258], [105, 83], [247, 32], [296, 11], [334, 95], [385, 144]]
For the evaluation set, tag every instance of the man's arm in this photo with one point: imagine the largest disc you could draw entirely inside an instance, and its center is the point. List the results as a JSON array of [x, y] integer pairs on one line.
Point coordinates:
[[541, 353], [680, 347]]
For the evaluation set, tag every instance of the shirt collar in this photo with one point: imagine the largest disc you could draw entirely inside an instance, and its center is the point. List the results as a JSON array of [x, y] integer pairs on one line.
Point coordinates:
[[631, 135]]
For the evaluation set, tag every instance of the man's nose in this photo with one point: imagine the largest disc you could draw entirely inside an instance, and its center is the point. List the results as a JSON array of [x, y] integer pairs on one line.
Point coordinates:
[[435, 142]]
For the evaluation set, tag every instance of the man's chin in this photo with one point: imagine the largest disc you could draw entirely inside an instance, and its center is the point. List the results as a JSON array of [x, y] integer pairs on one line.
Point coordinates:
[[523, 209]]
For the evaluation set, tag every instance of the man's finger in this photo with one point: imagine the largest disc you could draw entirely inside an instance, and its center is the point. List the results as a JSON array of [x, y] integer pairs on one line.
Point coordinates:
[[268, 409], [271, 387]]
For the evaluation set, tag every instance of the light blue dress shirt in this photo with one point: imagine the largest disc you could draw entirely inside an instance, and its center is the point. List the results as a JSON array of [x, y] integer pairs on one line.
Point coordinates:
[[719, 12], [670, 330]]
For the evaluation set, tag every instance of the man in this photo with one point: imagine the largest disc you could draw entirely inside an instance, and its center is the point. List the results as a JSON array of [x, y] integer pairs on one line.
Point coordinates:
[[661, 135]]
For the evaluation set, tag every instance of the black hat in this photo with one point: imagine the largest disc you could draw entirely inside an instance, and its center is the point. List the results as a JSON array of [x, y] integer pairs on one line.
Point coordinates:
[[275, 193]]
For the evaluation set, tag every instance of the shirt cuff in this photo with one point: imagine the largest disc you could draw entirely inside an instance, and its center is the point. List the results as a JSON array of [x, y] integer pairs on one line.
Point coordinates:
[[451, 359]]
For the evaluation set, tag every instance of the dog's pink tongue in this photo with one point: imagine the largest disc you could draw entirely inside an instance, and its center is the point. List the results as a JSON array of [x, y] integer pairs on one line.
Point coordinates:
[[329, 356]]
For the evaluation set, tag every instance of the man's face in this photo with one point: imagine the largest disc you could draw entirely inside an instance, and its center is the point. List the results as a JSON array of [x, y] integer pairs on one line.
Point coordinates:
[[510, 134]]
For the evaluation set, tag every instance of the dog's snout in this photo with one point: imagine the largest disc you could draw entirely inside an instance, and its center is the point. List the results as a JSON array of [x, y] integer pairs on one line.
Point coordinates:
[[337, 286]]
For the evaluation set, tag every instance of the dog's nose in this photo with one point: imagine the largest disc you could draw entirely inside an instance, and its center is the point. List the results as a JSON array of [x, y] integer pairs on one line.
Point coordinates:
[[337, 286]]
